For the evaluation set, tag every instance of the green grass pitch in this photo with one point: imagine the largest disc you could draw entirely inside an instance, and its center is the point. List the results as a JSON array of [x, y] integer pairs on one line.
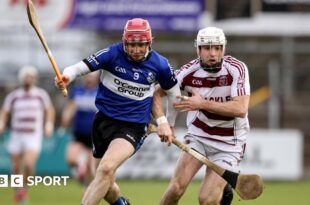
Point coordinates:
[[149, 193]]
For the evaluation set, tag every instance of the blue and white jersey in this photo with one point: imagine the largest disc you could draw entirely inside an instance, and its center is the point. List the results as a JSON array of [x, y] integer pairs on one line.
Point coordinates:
[[126, 87], [85, 109]]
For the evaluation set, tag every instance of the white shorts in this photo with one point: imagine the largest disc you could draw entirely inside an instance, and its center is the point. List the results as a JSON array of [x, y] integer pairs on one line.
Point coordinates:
[[228, 159], [19, 143]]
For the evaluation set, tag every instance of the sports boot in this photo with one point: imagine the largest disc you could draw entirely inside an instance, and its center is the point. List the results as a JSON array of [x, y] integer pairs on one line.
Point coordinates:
[[121, 201]]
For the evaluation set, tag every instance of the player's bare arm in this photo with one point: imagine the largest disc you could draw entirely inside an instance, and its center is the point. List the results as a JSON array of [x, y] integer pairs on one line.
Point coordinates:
[[163, 130], [237, 107]]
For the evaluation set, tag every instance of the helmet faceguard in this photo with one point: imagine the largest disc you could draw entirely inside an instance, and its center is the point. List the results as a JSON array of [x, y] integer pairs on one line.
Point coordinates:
[[211, 36], [137, 30]]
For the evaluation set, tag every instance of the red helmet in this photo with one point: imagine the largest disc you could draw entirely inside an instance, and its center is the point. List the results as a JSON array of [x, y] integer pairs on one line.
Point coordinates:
[[137, 30]]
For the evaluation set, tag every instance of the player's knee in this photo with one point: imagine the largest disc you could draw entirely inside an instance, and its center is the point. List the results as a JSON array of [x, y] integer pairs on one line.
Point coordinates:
[[105, 170], [71, 156], [209, 199], [177, 190], [71, 160]]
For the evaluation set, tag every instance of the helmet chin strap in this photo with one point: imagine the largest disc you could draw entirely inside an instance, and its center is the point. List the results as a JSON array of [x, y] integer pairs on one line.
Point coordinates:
[[211, 68]]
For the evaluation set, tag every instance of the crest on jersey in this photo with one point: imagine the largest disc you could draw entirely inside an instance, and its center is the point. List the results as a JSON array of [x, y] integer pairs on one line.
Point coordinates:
[[150, 77], [223, 81]]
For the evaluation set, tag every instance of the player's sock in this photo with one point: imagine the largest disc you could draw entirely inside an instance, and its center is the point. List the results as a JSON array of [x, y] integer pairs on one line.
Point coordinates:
[[21, 195], [121, 201], [228, 195]]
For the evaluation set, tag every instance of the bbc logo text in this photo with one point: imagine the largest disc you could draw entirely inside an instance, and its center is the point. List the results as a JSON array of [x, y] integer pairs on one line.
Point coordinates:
[[17, 180]]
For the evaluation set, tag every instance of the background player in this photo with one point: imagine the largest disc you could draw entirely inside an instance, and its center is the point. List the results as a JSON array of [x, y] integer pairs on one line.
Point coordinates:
[[32, 116], [129, 72], [79, 112]]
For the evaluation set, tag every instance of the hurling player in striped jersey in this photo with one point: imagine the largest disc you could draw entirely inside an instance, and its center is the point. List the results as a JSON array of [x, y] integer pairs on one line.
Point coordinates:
[[129, 71], [31, 114], [217, 93]]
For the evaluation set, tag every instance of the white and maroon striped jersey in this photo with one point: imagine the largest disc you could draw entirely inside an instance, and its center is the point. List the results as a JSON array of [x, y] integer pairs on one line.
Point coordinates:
[[27, 111], [231, 81]]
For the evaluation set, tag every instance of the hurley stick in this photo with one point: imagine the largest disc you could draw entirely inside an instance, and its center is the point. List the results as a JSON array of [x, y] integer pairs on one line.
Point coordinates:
[[248, 186], [35, 24]]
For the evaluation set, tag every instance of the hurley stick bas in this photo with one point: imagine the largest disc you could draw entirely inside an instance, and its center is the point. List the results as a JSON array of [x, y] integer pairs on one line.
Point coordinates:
[[248, 186], [32, 16]]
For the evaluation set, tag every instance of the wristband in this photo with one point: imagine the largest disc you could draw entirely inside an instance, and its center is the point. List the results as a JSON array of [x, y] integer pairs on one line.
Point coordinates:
[[161, 120]]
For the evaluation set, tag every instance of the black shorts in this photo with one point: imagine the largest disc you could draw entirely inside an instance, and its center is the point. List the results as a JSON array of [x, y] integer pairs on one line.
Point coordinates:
[[85, 140], [106, 129]]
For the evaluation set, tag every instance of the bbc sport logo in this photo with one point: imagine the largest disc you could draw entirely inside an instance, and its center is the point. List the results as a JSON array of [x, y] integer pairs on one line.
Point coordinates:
[[4, 182], [17, 180]]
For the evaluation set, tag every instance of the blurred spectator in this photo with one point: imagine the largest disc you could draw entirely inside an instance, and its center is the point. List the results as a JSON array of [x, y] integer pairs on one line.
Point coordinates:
[[31, 115]]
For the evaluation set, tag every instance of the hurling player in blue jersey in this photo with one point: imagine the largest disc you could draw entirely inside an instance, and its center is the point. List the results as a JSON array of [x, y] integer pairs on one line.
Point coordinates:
[[129, 71], [79, 113]]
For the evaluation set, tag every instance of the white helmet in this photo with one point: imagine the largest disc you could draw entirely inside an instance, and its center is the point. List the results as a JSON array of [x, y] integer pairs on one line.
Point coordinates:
[[27, 70], [211, 36]]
